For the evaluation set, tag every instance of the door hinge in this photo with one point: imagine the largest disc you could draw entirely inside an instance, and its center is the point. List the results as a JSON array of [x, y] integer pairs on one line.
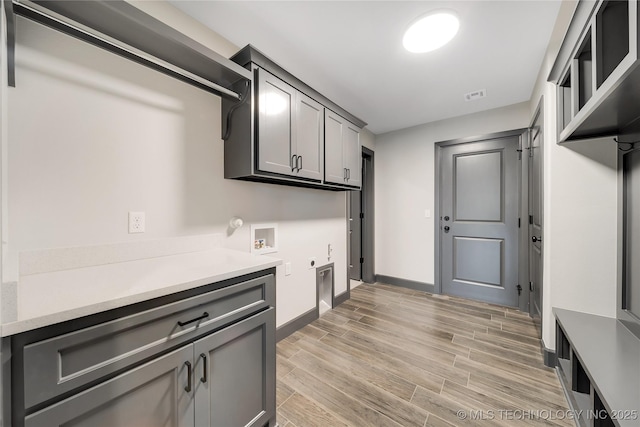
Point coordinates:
[[519, 289], [530, 219], [518, 227], [361, 215], [519, 150], [361, 260], [531, 286]]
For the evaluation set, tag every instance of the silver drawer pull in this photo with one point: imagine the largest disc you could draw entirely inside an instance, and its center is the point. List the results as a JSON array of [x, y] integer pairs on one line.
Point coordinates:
[[204, 316]]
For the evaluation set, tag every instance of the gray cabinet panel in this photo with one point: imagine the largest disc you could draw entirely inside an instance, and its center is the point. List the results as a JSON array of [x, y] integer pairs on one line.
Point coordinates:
[[65, 362], [352, 154], [235, 373], [343, 152], [275, 103], [334, 169], [150, 395], [309, 137]]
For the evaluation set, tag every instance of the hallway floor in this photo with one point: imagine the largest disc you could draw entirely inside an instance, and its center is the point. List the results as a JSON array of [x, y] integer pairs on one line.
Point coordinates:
[[392, 356]]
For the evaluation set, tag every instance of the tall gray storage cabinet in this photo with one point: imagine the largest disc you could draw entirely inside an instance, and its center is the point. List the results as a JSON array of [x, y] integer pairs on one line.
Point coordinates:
[[204, 360]]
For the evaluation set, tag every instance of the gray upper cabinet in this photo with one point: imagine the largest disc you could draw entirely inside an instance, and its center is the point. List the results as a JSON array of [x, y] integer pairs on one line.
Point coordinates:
[[342, 151], [309, 137], [275, 118], [597, 71], [290, 130], [280, 133], [352, 154], [334, 169]]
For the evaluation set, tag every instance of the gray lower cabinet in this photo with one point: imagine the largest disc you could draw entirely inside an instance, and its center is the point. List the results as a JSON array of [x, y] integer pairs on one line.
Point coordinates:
[[343, 158], [235, 379], [291, 128], [224, 379], [204, 357], [153, 394]]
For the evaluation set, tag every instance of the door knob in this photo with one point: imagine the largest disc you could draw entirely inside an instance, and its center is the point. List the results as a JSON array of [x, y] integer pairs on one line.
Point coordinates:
[[446, 218], [536, 239], [446, 228]]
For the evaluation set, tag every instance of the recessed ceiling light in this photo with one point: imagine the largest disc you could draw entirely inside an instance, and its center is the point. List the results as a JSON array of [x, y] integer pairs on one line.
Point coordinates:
[[431, 32]]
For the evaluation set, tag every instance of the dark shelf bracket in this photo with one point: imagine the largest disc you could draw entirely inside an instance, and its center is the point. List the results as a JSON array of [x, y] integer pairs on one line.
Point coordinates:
[[11, 42]]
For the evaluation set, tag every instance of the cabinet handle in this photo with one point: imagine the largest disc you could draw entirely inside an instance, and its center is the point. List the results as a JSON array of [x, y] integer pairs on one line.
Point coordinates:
[[348, 174], [188, 387], [204, 316], [204, 367], [344, 174], [294, 162], [300, 165]]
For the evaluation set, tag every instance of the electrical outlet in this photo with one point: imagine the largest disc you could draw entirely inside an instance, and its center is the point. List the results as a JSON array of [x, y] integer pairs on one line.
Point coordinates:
[[287, 268], [136, 222], [312, 262]]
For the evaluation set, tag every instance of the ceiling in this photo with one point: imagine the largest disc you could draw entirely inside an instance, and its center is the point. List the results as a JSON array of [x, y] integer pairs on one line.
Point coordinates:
[[351, 52]]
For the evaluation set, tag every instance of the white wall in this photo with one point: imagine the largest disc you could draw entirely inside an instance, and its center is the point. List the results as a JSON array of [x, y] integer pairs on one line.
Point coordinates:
[[368, 139], [404, 188], [93, 136], [580, 210]]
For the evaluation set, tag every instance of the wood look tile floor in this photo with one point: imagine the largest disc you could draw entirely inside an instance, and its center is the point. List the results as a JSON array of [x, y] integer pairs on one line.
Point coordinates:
[[392, 356]]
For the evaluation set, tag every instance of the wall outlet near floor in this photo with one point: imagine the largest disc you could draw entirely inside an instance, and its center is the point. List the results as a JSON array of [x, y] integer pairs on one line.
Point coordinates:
[[287, 269], [312, 263], [136, 222]]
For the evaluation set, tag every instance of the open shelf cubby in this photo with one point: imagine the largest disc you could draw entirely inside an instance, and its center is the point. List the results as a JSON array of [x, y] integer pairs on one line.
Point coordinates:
[[584, 66], [564, 95], [612, 24]]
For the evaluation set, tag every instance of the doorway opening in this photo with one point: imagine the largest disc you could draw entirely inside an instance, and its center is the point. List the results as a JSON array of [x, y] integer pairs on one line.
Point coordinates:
[[361, 223]]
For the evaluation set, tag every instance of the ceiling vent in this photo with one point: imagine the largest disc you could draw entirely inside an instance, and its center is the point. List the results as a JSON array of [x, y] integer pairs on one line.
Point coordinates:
[[475, 95]]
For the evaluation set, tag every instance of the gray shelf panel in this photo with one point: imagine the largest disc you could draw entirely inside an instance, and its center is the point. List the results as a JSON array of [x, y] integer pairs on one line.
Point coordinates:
[[610, 355], [123, 22], [565, 369]]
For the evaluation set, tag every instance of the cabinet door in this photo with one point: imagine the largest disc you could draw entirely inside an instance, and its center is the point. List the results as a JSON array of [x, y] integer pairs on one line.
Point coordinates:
[[152, 394], [235, 374], [334, 168], [275, 116], [352, 154], [309, 137]]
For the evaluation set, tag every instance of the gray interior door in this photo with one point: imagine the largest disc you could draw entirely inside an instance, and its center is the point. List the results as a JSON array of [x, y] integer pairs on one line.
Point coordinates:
[[535, 217], [479, 220], [355, 236]]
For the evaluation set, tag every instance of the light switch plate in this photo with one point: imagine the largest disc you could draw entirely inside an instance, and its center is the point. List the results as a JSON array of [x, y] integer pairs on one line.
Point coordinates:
[[427, 213], [287, 268]]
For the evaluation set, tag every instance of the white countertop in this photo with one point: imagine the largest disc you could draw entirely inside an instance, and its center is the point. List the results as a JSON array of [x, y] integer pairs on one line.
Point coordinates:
[[48, 298]]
